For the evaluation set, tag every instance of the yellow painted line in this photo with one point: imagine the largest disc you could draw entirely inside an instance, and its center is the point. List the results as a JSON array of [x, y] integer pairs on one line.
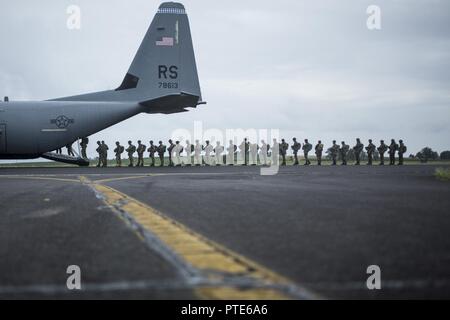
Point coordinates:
[[40, 178], [229, 293], [200, 252]]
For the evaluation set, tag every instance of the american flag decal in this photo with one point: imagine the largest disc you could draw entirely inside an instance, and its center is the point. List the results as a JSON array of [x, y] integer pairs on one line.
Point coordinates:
[[172, 10], [165, 41]]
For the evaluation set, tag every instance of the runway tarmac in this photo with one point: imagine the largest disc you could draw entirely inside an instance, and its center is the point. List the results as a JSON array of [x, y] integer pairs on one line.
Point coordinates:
[[224, 232]]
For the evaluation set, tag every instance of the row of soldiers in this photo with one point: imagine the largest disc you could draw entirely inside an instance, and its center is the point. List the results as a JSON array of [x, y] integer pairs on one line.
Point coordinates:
[[248, 152], [344, 148]]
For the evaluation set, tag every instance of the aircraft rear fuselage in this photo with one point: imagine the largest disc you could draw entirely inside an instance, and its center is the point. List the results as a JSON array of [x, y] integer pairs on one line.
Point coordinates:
[[42, 126]]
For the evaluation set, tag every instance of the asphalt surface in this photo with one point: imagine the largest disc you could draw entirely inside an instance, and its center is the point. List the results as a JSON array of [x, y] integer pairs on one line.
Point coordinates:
[[320, 227]]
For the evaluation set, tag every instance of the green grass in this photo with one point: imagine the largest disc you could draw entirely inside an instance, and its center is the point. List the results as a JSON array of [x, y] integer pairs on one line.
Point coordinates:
[[442, 174]]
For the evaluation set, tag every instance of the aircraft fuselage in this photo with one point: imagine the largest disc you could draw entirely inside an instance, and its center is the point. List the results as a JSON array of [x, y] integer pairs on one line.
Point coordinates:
[[29, 129]]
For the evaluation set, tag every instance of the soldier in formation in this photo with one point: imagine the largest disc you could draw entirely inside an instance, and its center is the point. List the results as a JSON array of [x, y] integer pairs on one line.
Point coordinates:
[[218, 150], [243, 151], [393, 147], [370, 151], [253, 148], [344, 151], [177, 150], [401, 151], [151, 152], [319, 149], [198, 153], [170, 149], [263, 152], [83, 144], [99, 151], [382, 150], [295, 148], [140, 151], [161, 149], [334, 150], [306, 149], [283, 150], [208, 150], [131, 150], [102, 151], [70, 150], [231, 149], [357, 149], [188, 148], [118, 151]]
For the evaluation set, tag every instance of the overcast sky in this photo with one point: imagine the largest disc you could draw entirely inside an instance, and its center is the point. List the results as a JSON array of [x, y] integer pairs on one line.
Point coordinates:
[[309, 68]]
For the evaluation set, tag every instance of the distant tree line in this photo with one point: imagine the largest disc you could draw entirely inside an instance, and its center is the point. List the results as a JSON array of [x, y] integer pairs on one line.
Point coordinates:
[[427, 154], [424, 155]]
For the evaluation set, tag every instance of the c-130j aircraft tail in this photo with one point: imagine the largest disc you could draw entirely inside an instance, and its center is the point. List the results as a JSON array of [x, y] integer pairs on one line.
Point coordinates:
[[161, 79], [164, 66]]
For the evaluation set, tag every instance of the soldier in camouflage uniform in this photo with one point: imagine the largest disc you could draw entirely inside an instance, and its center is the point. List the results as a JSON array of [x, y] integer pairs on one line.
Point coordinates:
[[118, 151], [105, 149], [263, 150], [152, 150], [161, 150], [99, 151], [170, 149], [140, 151], [131, 150], [319, 149], [393, 147], [370, 150], [70, 150], [344, 151], [177, 150], [283, 149], [381, 150], [244, 150], [84, 144], [334, 150], [401, 150], [275, 153], [230, 153], [189, 148], [247, 151], [208, 148], [306, 149], [295, 147], [358, 148]]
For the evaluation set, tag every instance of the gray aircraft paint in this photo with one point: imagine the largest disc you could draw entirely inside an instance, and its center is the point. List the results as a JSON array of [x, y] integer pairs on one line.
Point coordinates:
[[161, 79]]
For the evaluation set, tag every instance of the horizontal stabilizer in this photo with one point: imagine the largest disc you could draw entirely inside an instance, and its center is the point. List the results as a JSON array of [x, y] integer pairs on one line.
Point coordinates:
[[172, 103]]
